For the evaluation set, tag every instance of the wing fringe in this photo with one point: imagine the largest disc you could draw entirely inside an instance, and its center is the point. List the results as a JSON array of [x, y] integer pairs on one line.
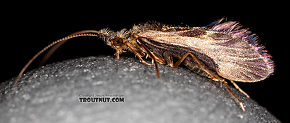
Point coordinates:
[[235, 29]]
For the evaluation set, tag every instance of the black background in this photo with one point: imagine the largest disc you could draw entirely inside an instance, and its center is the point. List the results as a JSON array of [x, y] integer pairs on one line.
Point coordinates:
[[30, 28]]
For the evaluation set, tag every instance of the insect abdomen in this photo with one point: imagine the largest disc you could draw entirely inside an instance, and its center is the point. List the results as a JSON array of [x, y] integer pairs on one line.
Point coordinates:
[[165, 51], [195, 68]]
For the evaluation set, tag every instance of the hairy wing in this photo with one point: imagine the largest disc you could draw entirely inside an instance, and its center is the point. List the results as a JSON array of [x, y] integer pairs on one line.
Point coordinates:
[[237, 53], [236, 60]]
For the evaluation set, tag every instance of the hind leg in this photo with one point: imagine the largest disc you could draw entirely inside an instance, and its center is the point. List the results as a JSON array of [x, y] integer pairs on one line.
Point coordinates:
[[212, 76]]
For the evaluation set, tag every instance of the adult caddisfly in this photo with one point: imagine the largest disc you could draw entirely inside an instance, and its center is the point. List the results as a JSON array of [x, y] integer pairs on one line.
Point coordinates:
[[219, 51]]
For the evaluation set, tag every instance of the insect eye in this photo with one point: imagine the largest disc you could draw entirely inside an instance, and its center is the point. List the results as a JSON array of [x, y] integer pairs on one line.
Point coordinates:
[[117, 42]]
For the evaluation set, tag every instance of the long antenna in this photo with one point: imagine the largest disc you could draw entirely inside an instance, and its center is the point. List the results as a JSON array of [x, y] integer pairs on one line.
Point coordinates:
[[74, 35], [55, 47]]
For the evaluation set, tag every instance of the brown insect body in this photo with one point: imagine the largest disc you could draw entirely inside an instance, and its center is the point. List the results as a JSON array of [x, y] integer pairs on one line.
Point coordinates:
[[217, 51]]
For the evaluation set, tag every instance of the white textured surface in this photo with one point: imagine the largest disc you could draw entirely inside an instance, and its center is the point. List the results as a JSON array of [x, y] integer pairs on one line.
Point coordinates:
[[51, 94]]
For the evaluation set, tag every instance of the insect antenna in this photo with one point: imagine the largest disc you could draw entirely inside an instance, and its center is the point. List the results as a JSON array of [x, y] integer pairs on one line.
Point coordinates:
[[58, 43], [55, 47]]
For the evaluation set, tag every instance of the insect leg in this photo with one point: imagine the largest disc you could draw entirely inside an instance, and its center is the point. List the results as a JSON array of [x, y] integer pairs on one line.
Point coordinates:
[[212, 76], [168, 58], [137, 54], [229, 90], [153, 58], [160, 60], [237, 87]]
